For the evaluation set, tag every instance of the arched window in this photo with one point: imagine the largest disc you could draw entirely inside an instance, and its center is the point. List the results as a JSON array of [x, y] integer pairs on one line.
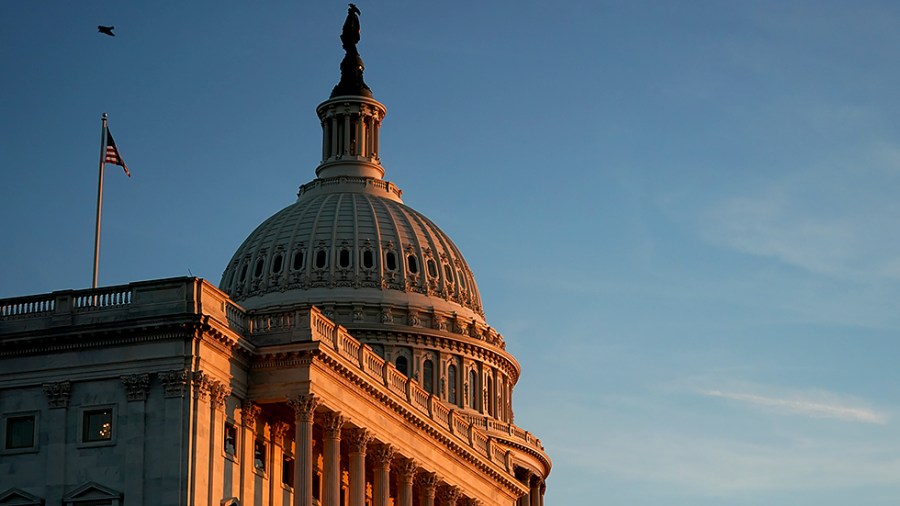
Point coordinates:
[[298, 260], [432, 268], [428, 376], [277, 263], [402, 365], [243, 274], [451, 384], [368, 259], [321, 259], [257, 272], [473, 389], [412, 264], [344, 258], [390, 261]]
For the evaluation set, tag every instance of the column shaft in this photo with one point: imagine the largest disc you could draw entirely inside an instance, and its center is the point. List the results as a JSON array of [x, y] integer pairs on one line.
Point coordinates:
[[331, 496], [304, 408]]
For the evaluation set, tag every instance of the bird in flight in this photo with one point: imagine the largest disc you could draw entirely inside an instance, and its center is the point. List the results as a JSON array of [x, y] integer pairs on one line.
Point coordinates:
[[107, 30]]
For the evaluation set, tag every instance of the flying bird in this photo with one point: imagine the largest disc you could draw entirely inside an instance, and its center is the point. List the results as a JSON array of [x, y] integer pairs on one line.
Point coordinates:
[[107, 30]]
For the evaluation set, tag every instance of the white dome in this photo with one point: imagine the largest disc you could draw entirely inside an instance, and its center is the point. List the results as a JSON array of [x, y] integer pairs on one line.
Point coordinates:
[[342, 242]]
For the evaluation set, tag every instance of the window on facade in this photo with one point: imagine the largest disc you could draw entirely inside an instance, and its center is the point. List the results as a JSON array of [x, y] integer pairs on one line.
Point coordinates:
[[287, 471], [448, 273], [432, 268], [259, 455], [277, 264], [321, 259], [412, 264], [390, 261], [20, 432], [473, 389], [462, 280], [257, 271], [97, 425], [298, 261], [428, 376], [344, 258], [451, 384], [402, 365], [368, 259], [490, 397], [243, 274], [230, 440]]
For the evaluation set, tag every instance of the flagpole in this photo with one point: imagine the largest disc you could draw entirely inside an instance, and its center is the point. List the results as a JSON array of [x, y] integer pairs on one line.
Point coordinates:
[[99, 200]]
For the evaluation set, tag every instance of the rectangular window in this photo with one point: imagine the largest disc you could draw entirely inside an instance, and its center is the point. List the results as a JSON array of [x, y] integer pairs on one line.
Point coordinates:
[[97, 425], [259, 455], [20, 434], [230, 441], [287, 471]]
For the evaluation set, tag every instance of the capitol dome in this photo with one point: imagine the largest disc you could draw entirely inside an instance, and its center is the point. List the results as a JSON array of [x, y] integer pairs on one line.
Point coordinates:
[[349, 245]]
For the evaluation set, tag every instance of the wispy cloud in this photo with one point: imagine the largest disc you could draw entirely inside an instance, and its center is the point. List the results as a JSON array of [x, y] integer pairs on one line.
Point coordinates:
[[805, 407]]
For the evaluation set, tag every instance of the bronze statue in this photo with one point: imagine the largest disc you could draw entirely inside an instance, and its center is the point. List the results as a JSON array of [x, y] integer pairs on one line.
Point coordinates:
[[352, 65]]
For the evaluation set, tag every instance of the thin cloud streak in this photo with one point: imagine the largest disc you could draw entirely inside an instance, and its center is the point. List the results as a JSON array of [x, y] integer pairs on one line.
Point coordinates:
[[805, 407]]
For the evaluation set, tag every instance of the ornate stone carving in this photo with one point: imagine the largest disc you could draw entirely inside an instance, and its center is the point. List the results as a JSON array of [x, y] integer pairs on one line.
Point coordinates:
[[277, 431], [200, 382], [382, 455], [387, 316], [332, 423], [448, 495], [413, 318], [57, 393], [405, 469], [428, 482], [468, 501], [174, 382], [304, 407], [357, 439], [136, 386], [218, 392], [249, 413]]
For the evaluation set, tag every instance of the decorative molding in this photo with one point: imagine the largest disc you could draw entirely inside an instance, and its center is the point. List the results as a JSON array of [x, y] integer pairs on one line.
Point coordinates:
[[200, 382], [136, 386], [304, 407], [57, 393], [174, 382], [332, 423], [357, 439]]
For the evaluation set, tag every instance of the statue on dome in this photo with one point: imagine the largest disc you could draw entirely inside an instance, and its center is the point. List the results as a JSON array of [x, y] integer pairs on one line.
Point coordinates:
[[352, 65], [350, 33]]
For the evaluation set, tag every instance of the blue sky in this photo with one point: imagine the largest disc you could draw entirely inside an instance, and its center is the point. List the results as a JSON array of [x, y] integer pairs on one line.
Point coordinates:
[[682, 215]]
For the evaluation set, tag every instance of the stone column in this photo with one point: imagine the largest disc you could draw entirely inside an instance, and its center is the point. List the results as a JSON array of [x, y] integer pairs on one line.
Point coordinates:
[[249, 414], [427, 484], [199, 437], [218, 392], [382, 455], [172, 487], [448, 495], [406, 471], [276, 461], [136, 388], [331, 495], [357, 439], [304, 410], [543, 489], [535, 493], [58, 401]]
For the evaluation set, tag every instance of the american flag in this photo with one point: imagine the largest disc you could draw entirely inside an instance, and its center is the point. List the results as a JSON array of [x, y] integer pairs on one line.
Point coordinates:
[[112, 153]]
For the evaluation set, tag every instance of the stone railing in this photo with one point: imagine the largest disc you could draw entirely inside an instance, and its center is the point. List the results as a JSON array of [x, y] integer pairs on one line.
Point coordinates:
[[112, 304], [472, 431]]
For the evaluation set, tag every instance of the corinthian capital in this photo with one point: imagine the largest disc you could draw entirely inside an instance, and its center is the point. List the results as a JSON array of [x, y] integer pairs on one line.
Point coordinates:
[[357, 439], [332, 423], [304, 407], [57, 393]]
